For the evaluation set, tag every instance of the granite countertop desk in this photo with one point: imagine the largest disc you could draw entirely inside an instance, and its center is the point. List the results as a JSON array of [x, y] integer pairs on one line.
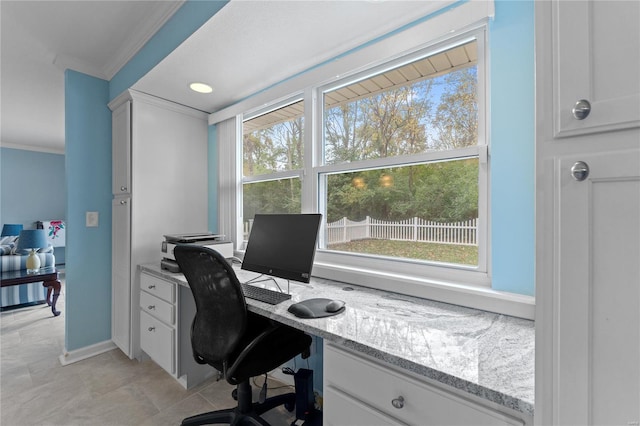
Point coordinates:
[[485, 354]]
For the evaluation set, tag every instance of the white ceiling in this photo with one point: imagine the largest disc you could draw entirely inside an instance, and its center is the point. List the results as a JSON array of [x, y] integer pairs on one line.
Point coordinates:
[[246, 47], [39, 39]]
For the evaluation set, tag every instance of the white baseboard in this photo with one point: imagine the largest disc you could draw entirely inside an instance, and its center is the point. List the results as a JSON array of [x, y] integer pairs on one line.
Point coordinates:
[[87, 352]]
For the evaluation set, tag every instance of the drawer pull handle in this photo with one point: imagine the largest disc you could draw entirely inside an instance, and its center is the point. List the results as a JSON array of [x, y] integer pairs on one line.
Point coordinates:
[[151, 329], [152, 307], [152, 286], [398, 402]]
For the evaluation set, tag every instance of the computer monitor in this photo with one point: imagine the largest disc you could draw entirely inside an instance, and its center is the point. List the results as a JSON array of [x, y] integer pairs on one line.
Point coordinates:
[[282, 245]]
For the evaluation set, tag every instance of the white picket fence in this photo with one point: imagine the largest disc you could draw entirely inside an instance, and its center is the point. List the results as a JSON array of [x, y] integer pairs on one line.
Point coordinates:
[[415, 229]]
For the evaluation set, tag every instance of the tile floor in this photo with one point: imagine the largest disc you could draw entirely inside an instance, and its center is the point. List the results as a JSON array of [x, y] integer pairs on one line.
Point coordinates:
[[108, 389]]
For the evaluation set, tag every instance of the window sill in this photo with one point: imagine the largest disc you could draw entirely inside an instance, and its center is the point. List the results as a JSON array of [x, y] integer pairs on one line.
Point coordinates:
[[472, 296]]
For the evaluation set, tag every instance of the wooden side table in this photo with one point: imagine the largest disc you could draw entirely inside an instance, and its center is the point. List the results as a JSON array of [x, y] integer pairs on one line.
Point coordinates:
[[48, 276]]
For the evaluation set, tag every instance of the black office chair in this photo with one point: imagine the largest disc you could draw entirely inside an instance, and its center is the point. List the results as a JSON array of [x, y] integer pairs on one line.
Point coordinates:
[[234, 341]]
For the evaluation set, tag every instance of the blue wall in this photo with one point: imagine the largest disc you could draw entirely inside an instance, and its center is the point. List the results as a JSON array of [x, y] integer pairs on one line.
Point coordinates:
[[512, 144], [88, 168], [33, 188], [88, 153]]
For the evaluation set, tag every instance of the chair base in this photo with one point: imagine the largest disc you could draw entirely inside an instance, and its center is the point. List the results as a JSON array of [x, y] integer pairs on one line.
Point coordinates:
[[246, 413]]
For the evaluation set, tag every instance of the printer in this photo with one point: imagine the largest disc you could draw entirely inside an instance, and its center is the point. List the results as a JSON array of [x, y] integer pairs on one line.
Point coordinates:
[[212, 241]]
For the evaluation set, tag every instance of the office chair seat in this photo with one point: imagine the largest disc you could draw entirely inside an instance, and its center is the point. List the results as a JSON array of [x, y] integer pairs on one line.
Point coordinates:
[[234, 341]]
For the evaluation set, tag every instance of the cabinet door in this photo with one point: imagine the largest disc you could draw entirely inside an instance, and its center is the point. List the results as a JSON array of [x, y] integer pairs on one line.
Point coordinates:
[[157, 340], [346, 410], [398, 396], [121, 149], [158, 308], [158, 287], [121, 274], [597, 338], [596, 58]]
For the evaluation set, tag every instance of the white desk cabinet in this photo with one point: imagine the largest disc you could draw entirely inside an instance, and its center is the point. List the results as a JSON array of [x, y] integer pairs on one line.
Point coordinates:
[[166, 313], [159, 187], [362, 391], [157, 321]]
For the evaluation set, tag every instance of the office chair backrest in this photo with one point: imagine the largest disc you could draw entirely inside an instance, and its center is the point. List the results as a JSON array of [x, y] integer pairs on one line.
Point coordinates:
[[221, 311]]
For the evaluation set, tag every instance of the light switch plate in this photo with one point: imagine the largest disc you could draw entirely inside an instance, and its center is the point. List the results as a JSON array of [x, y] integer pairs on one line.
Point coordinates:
[[92, 219]]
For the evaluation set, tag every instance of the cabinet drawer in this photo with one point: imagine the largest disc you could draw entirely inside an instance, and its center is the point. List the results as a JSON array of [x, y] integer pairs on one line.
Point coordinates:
[[157, 340], [158, 287], [346, 410], [377, 385], [157, 307]]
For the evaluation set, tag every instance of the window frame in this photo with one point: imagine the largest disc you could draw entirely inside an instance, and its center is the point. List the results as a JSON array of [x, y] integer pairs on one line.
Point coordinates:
[[285, 174], [415, 277], [265, 177], [405, 276]]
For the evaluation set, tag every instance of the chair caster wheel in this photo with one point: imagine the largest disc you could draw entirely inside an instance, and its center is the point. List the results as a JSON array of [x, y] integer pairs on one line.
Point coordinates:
[[289, 406], [234, 394]]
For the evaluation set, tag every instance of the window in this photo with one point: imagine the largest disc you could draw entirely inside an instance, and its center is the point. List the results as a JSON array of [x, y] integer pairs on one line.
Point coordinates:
[[426, 212], [395, 158], [415, 119], [272, 162]]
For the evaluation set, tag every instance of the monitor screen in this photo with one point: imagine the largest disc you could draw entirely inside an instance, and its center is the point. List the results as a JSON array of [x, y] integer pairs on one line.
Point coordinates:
[[282, 245]]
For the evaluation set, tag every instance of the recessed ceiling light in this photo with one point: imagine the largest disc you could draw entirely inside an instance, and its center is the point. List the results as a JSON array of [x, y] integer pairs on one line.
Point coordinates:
[[201, 88]]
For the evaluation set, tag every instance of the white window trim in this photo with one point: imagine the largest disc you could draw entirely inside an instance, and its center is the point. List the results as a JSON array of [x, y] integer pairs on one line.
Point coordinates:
[[288, 174], [379, 272]]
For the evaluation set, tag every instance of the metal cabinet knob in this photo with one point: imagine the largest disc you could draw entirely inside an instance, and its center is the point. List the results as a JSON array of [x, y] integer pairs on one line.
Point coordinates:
[[581, 109], [123, 202], [151, 286], [580, 171], [398, 402], [151, 329], [151, 307], [123, 188]]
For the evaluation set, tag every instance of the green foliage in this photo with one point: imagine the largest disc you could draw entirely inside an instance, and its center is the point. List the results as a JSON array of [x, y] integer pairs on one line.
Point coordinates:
[[444, 192], [275, 148], [432, 114], [276, 196]]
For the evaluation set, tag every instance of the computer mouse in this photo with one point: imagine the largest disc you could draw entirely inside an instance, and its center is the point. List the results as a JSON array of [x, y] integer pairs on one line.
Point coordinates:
[[301, 311], [334, 306]]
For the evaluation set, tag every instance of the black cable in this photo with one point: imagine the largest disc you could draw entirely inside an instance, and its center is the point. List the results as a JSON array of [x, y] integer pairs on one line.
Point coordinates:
[[263, 391], [253, 381]]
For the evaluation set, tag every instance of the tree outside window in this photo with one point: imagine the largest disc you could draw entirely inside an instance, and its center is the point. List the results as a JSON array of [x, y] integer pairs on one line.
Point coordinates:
[[420, 211], [383, 190]]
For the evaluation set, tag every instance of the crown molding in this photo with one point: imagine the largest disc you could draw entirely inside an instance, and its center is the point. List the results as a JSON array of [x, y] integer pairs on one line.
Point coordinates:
[[68, 62], [140, 38], [137, 40]]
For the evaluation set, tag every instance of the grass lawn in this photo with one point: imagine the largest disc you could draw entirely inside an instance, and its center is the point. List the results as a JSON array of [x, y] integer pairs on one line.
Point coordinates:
[[449, 253]]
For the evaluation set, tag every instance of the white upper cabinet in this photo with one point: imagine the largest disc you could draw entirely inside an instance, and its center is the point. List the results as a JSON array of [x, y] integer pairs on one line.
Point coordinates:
[[121, 146], [596, 59]]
